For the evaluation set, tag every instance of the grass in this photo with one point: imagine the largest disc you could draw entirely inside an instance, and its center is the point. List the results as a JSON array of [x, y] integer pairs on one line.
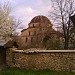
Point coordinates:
[[18, 71]]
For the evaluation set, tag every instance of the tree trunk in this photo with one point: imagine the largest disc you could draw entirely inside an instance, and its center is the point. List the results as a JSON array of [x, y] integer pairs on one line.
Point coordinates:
[[66, 43]]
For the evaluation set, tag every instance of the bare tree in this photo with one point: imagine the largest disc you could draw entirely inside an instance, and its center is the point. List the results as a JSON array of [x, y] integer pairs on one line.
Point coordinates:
[[15, 25], [62, 10]]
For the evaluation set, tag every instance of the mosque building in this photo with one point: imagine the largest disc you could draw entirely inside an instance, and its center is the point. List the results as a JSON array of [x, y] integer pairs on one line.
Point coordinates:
[[38, 29]]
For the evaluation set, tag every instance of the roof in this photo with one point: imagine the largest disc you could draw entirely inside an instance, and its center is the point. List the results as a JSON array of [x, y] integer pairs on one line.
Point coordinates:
[[9, 44], [3, 42], [6, 44], [24, 30], [40, 18]]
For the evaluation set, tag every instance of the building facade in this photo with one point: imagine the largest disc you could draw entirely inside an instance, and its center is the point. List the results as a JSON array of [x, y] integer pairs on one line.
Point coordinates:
[[38, 28]]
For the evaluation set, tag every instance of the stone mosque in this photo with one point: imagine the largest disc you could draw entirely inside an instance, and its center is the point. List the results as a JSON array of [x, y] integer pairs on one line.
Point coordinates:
[[38, 28]]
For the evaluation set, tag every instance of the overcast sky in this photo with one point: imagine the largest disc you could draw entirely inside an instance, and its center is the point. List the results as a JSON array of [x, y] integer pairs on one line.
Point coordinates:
[[27, 9]]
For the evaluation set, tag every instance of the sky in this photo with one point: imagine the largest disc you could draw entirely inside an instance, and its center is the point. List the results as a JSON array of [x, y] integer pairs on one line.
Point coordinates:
[[25, 10]]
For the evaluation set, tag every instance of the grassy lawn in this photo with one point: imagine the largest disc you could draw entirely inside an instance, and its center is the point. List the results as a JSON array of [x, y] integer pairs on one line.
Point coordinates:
[[17, 71]]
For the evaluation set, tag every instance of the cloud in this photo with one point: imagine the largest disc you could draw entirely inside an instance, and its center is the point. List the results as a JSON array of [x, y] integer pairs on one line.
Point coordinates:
[[27, 12], [44, 5]]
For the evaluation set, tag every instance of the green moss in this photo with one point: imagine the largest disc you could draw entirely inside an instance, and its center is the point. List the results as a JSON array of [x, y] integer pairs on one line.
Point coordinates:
[[18, 71]]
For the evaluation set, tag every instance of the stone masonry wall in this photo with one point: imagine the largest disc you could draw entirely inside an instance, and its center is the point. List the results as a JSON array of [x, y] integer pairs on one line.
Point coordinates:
[[55, 60]]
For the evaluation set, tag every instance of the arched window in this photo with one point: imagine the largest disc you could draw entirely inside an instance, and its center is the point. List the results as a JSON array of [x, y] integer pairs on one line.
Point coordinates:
[[34, 32], [26, 39], [33, 25], [31, 39], [29, 33]]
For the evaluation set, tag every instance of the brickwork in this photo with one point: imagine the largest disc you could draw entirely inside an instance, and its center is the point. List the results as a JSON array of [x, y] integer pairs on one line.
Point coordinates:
[[61, 60]]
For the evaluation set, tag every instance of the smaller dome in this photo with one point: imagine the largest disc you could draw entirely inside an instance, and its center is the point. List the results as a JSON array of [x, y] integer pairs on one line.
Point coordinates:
[[40, 18]]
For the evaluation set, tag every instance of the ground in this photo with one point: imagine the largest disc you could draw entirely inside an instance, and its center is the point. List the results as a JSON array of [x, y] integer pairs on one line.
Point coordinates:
[[18, 71]]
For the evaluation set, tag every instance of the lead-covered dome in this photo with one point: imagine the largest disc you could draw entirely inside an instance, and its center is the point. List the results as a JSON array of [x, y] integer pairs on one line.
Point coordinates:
[[40, 19]]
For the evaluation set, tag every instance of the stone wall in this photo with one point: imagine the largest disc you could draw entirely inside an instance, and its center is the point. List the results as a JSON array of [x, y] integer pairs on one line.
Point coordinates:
[[56, 60]]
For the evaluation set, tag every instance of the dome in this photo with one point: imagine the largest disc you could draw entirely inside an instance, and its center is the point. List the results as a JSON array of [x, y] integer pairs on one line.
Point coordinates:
[[40, 18]]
